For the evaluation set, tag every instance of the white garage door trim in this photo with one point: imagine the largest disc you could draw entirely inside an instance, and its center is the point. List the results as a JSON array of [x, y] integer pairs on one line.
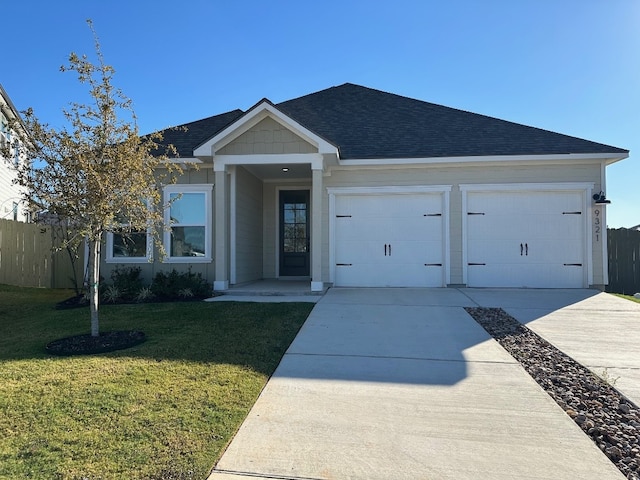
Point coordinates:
[[584, 188], [443, 190]]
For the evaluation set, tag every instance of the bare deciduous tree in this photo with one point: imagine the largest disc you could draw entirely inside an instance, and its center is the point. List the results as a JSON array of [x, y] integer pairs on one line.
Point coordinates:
[[96, 171]]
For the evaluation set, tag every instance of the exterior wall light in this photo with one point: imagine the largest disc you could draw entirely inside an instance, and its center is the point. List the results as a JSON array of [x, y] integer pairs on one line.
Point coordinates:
[[600, 198]]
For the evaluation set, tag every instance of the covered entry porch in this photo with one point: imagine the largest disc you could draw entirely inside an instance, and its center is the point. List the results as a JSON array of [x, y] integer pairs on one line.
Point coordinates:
[[268, 212], [268, 199]]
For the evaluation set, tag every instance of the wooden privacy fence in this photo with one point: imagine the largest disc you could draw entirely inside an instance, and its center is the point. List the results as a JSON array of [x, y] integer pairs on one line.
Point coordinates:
[[28, 259], [624, 261]]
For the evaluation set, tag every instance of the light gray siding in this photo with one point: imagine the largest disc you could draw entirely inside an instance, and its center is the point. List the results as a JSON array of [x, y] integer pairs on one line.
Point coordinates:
[[248, 221], [269, 230], [267, 137]]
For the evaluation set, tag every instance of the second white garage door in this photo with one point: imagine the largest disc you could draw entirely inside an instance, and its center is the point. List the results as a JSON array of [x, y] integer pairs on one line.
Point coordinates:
[[526, 239], [389, 240]]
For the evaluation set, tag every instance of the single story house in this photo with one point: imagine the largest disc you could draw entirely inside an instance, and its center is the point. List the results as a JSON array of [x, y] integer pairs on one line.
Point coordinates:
[[352, 186]]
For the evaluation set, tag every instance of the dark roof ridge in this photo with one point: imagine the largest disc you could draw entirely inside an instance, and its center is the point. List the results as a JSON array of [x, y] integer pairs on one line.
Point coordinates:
[[172, 127], [367, 123], [370, 123], [461, 110]]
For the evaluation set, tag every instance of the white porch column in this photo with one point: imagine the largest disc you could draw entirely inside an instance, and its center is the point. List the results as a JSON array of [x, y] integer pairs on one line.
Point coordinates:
[[316, 230], [221, 223]]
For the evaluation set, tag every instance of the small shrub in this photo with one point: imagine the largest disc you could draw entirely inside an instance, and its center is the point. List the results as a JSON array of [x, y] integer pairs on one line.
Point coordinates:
[[144, 295], [112, 294], [185, 293], [174, 285], [127, 280]]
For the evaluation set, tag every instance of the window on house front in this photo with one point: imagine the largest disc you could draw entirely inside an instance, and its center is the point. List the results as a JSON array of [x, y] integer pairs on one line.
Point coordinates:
[[189, 218], [15, 211], [128, 247]]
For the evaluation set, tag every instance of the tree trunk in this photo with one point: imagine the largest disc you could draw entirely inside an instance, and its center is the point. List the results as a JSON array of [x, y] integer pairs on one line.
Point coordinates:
[[94, 279]]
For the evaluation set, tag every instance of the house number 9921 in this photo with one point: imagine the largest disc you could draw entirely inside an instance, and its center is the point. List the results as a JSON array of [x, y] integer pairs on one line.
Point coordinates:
[[596, 224]]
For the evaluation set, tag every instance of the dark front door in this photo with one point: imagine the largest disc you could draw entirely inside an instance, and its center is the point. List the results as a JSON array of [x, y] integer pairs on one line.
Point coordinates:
[[294, 233]]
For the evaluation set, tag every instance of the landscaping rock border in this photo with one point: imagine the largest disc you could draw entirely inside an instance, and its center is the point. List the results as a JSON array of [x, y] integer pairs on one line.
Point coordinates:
[[604, 414]]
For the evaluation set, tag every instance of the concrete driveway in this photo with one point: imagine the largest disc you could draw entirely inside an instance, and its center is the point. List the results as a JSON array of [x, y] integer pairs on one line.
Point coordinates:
[[598, 330], [403, 384]]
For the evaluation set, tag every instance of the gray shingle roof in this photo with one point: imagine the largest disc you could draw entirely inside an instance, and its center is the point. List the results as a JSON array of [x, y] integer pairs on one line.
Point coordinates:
[[368, 124], [187, 136]]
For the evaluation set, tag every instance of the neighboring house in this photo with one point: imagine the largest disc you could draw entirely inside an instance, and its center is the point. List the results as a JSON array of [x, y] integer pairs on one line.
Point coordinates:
[[11, 204], [352, 186]]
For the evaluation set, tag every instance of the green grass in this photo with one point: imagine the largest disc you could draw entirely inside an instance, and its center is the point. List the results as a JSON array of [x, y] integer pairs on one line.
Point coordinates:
[[165, 409], [628, 297]]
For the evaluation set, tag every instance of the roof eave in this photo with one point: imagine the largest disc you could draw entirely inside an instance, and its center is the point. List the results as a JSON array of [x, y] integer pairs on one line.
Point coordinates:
[[609, 158]]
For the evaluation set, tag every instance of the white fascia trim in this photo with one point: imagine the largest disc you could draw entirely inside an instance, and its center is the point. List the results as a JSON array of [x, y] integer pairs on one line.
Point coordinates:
[[609, 158], [487, 187], [316, 160], [255, 116], [398, 189]]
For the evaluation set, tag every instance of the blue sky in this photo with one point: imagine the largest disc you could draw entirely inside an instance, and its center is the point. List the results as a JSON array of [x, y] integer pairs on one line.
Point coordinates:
[[571, 66]]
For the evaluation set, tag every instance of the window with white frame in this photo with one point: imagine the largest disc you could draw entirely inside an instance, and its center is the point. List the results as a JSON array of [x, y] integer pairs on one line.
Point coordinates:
[[190, 220], [4, 131], [129, 247], [16, 155]]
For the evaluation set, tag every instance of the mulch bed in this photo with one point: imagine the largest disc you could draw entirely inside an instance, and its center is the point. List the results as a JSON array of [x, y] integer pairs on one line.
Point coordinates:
[[73, 302], [88, 345], [80, 301]]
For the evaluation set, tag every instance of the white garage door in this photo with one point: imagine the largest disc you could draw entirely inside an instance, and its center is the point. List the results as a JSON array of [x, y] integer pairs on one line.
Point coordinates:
[[389, 240], [528, 239]]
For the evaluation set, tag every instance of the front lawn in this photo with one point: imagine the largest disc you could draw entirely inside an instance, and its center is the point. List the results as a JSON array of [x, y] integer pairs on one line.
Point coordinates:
[[165, 409], [628, 297]]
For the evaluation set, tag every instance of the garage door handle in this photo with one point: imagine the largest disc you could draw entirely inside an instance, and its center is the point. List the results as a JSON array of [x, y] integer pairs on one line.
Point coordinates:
[[385, 249], [526, 249], [520, 249], [389, 249]]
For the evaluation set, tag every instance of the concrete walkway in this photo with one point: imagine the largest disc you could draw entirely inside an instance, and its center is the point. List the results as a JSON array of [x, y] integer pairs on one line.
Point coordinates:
[[598, 330], [403, 384]]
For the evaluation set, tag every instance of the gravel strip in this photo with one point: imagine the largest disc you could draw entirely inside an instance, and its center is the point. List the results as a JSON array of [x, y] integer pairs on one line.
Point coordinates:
[[604, 414]]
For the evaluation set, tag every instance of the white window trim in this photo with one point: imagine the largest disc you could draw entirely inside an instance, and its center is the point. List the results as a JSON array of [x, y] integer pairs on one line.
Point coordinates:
[[110, 258], [207, 189]]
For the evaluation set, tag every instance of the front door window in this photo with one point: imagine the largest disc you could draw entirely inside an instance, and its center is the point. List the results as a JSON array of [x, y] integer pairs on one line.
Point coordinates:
[[294, 233]]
